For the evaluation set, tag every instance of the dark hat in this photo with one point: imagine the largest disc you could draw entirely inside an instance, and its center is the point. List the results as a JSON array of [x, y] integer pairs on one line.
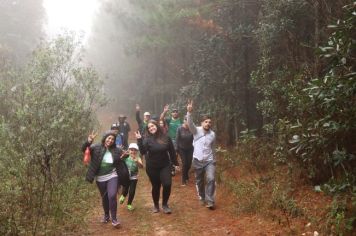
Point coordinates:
[[175, 110]]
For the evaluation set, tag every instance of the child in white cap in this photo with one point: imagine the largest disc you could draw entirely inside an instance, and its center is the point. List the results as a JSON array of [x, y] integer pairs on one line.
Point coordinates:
[[133, 162]]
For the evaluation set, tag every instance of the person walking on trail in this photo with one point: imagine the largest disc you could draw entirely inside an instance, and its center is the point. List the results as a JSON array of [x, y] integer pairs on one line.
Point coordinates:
[[158, 150], [204, 161], [146, 117], [107, 168], [124, 128], [173, 122], [133, 162], [185, 147], [119, 138]]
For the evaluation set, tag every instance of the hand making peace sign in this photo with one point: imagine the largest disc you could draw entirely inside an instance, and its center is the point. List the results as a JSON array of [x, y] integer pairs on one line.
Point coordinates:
[[92, 136], [190, 106]]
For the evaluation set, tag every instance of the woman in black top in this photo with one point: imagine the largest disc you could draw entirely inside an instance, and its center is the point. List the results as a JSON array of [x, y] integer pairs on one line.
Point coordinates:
[[185, 147], [158, 150]]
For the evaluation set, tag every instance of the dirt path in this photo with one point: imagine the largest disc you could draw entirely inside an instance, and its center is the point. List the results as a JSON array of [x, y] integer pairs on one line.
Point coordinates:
[[188, 217]]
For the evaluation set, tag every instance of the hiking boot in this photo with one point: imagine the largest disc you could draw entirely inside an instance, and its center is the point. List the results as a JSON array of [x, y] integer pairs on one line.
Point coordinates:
[[105, 219], [130, 207], [210, 205], [155, 209], [121, 199], [115, 223], [166, 209]]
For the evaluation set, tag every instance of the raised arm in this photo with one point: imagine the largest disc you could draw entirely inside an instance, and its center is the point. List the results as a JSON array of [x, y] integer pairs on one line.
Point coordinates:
[[138, 118], [89, 141], [164, 112], [192, 127], [140, 143]]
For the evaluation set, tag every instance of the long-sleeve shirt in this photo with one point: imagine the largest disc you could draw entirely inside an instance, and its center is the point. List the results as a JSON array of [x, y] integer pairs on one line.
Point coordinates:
[[184, 138], [203, 142], [157, 154]]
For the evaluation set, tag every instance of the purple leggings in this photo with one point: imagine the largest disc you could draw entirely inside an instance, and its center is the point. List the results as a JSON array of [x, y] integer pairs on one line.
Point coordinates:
[[108, 192]]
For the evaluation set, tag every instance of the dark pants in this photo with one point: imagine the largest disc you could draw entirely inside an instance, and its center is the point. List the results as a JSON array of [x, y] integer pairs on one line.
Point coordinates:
[[160, 177], [108, 191], [130, 190], [186, 155]]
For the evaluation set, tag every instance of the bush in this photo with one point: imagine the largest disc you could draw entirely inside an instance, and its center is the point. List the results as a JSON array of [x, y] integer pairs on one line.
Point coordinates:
[[47, 112]]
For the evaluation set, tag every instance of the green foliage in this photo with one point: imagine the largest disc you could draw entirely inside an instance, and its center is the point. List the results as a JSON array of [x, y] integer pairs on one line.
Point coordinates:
[[341, 217], [48, 110], [325, 134]]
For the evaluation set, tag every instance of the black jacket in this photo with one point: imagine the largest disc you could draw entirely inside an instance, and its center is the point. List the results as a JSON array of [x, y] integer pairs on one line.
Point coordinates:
[[97, 152]]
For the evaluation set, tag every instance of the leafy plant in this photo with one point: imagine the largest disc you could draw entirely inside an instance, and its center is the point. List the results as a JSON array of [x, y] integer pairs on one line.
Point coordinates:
[[48, 110]]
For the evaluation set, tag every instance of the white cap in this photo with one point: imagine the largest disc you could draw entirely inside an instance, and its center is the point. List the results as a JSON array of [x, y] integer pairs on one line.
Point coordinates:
[[146, 113], [133, 146]]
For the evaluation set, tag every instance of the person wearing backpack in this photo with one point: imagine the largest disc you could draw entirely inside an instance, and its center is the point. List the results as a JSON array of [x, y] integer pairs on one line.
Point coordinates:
[[123, 128]]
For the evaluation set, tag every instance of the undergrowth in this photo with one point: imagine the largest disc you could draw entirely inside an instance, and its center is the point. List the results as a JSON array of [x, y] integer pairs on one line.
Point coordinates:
[[262, 184]]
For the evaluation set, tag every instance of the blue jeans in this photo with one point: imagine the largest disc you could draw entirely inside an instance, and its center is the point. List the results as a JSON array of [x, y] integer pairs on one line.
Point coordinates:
[[205, 179]]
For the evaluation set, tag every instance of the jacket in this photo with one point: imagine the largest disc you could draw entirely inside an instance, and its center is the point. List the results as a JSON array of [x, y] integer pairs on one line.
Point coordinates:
[[97, 152]]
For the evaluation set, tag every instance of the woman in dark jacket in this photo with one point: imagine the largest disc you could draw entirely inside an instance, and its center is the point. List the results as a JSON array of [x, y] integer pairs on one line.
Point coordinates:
[[159, 151], [185, 147], [107, 168]]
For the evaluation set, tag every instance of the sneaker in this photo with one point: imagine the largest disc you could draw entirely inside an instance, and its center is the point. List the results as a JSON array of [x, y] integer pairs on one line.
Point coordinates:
[[115, 223], [121, 199], [166, 209], [210, 205], [155, 209], [130, 207], [202, 202], [105, 219]]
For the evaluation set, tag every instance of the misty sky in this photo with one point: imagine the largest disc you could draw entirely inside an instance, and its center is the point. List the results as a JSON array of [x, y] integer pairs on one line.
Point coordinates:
[[70, 15]]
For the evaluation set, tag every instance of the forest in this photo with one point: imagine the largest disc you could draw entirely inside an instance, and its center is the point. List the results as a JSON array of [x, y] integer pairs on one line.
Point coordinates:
[[277, 76]]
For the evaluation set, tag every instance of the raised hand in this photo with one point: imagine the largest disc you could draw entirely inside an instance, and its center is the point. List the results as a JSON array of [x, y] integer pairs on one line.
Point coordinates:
[[92, 136], [190, 106], [137, 107], [138, 135], [166, 108]]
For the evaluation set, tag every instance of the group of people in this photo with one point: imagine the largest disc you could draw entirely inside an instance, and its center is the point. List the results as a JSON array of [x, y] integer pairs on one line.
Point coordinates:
[[159, 141]]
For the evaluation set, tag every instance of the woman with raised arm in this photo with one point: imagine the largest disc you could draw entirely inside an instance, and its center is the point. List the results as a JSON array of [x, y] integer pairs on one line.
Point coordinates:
[[107, 168], [158, 150]]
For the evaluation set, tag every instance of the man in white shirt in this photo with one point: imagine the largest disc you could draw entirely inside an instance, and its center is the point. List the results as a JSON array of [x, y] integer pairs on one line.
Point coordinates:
[[204, 161]]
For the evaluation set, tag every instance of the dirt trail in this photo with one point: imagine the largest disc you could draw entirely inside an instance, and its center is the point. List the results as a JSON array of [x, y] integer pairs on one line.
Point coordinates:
[[188, 217]]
